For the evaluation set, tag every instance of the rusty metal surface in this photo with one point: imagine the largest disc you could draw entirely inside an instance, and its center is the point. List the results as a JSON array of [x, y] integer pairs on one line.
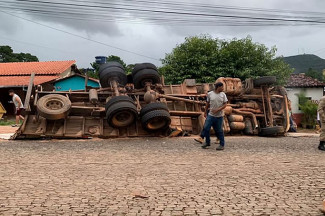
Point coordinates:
[[263, 107]]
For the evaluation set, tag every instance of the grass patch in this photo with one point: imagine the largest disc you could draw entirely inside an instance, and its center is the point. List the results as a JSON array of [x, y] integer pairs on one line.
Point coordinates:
[[6, 123]]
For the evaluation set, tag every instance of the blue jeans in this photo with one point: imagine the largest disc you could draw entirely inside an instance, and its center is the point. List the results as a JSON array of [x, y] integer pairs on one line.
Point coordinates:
[[217, 124]]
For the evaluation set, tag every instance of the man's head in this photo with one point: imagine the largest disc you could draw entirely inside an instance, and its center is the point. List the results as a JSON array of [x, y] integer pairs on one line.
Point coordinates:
[[11, 92], [219, 86]]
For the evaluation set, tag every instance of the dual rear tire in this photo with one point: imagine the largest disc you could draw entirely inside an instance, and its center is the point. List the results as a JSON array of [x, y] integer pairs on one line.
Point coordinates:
[[155, 117], [145, 73], [112, 71], [121, 111]]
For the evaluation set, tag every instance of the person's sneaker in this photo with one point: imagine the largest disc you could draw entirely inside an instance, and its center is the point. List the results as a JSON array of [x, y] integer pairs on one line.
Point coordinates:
[[14, 125], [206, 145], [220, 148], [199, 140]]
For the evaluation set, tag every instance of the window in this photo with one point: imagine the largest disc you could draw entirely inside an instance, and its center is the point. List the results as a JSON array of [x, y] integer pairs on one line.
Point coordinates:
[[301, 100]]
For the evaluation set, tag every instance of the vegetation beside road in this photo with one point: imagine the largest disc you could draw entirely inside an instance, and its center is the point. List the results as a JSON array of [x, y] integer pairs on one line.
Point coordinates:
[[6, 123], [8, 55], [205, 58]]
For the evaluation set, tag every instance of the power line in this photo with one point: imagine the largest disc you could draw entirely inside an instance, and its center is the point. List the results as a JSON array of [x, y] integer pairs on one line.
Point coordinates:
[[166, 21], [86, 9], [66, 32], [114, 13], [154, 20], [158, 11]]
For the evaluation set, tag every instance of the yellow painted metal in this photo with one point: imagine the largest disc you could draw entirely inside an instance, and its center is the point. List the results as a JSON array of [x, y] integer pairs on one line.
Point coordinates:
[[2, 110]]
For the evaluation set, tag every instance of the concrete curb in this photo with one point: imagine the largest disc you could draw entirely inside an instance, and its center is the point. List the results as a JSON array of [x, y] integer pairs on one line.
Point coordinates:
[[302, 135]]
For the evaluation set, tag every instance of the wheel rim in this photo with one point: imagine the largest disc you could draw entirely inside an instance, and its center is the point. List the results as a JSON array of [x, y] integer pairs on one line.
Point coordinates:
[[54, 104], [123, 118], [146, 80], [156, 123]]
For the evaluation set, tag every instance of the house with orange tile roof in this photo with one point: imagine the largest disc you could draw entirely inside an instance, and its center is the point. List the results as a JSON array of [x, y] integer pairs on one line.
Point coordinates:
[[16, 75], [313, 89]]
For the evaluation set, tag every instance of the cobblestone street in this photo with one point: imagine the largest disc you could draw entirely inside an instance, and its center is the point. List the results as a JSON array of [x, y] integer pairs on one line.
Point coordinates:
[[162, 176]]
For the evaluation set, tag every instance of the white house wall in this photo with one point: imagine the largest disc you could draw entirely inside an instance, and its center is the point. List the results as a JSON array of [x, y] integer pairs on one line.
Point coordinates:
[[314, 93]]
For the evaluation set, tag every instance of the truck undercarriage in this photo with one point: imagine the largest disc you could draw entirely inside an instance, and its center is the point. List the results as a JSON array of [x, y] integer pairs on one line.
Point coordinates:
[[145, 106]]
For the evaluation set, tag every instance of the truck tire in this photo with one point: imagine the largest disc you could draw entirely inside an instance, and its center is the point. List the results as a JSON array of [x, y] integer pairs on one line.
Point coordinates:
[[139, 67], [109, 65], [271, 131], [266, 80], [118, 99], [156, 120], [153, 106], [121, 114], [53, 106], [110, 74], [145, 75]]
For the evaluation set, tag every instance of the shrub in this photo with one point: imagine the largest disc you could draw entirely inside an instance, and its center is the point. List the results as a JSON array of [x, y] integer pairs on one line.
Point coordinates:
[[309, 109]]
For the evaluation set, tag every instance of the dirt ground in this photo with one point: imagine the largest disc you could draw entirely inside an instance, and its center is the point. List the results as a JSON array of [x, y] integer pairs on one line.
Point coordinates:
[[162, 176], [7, 129]]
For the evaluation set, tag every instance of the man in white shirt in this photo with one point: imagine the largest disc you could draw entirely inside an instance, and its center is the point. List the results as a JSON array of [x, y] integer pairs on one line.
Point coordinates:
[[216, 103], [18, 105]]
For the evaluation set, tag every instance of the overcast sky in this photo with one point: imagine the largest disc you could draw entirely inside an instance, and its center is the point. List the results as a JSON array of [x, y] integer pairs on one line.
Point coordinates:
[[152, 40]]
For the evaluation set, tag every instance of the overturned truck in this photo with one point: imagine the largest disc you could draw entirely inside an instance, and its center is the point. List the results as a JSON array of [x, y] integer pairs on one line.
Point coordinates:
[[141, 104]]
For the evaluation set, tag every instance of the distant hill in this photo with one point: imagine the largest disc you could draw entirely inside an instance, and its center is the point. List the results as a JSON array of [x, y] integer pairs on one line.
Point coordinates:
[[302, 63]]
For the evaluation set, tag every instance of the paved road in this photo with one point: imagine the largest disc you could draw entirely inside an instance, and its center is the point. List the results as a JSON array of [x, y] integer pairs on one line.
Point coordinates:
[[160, 176]]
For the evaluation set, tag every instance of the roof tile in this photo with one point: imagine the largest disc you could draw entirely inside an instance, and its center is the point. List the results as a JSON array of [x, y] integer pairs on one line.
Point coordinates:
[[303, 81], [27, 68], [6, 81]]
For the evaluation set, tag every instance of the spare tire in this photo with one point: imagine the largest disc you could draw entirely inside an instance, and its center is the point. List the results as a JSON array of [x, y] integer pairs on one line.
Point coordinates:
[[153, 106], [139, 67], [156, 120], [110, 74], [266, 80], [53, 106], [121, 114], [271, 131], [118, 99], [145, 75]]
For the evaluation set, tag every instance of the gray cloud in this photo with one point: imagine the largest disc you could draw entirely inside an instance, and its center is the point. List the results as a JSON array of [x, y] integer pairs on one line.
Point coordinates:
[[80, 21], [9, 25], [151, 39]]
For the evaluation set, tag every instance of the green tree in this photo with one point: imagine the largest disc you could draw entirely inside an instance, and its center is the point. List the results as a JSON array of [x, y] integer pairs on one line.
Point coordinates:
[[205, 59], [129, 68], [95, 66], [117, 59], [314, 74], [89, 72], [7, 55], [309, 109]]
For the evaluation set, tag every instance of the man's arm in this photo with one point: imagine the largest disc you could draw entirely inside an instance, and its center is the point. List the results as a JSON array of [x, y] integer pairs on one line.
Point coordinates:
[[19, 102], [225, 99], [223, 106], [220, 108], [207, 107]]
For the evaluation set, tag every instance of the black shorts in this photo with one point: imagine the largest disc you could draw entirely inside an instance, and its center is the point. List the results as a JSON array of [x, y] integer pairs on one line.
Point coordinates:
[[19, 111]]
